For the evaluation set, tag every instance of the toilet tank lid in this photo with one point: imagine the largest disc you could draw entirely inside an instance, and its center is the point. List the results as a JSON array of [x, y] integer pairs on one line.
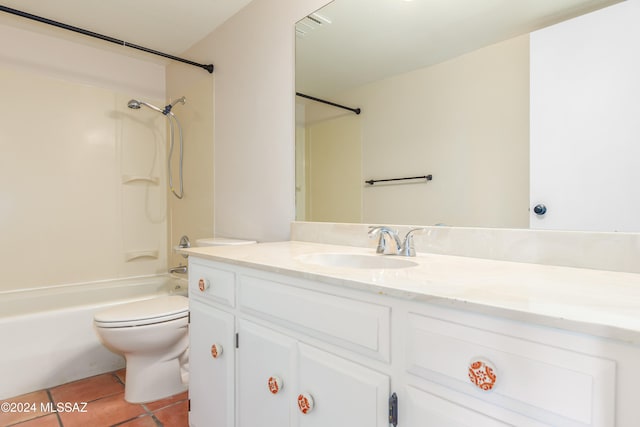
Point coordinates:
[[222, 241], [170, 306]]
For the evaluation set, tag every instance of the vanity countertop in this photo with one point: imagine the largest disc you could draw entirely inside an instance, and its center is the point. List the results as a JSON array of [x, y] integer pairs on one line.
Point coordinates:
[[601, 303]]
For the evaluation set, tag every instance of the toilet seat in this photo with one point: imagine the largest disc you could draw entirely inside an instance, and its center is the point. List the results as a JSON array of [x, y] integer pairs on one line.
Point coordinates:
[[145, 312]]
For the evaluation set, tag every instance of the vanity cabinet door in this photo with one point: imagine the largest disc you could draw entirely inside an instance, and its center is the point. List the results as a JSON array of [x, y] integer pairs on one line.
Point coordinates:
[[340, 392], [211, 363], [265, 385]]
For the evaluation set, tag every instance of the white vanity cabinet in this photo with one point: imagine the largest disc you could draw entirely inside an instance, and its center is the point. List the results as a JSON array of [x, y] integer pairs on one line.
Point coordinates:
[[277, 368], [265, 383], [507, 375], [347, 350], [211, 346], [211, 366], [281, 382]]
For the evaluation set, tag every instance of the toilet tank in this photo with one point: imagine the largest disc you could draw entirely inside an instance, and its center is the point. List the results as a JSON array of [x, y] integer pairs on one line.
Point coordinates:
[[222, 241]]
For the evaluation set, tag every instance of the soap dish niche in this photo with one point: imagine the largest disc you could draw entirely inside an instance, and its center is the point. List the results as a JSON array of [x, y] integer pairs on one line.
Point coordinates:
[[130, 179], [139, 255]]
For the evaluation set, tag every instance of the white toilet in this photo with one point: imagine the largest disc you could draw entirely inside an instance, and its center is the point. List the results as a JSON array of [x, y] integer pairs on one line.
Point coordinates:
[[153, 336], [223, 241]]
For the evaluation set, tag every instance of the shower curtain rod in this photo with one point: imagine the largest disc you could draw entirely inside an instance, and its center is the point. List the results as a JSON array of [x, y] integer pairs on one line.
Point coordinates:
[[208, 67], [313, 98]]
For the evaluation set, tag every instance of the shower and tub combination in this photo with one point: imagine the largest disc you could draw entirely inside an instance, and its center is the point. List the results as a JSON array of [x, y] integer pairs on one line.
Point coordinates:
[[63, 333]]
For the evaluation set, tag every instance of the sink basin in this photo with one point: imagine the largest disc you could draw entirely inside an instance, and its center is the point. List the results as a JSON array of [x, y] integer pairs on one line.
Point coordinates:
[[356, 260]]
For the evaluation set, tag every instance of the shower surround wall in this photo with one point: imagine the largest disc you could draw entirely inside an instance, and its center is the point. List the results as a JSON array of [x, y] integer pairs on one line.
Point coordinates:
[[68, 142]]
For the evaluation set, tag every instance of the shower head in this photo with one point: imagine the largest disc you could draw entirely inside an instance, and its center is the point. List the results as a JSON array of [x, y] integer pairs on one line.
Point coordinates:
[[135, 105]]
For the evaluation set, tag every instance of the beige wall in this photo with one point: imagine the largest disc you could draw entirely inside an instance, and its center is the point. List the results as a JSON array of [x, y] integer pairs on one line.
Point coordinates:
[[334, 170], [67, 140], [466, 122], [253, 54]]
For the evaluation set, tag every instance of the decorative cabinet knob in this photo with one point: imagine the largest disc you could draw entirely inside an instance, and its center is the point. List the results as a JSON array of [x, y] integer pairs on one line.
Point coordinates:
[[275, 384], [203, 284], [482, 374], [216, 350], [305, 403]]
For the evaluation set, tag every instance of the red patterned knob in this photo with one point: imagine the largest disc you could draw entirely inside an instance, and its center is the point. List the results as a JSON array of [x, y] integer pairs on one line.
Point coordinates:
[[305, 403], [216, 350], [275, 384], [203, 284], [482, 374]]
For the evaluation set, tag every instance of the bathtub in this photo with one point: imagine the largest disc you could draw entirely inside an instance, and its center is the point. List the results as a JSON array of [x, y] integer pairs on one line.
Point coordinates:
[[48, 337]]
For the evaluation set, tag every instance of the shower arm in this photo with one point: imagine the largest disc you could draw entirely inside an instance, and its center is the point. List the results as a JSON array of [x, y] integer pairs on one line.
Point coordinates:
[[168, 107]]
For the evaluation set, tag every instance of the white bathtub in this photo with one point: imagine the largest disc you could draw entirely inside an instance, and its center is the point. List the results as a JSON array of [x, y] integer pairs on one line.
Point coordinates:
[[47, 334]]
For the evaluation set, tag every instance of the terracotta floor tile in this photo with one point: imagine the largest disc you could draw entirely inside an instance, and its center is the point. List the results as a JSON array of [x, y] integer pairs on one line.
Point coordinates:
[[103, 413], [174, 416], [158, 404], [88, 389], [48, 421], [146, 421], [32, 409], [121, 374]]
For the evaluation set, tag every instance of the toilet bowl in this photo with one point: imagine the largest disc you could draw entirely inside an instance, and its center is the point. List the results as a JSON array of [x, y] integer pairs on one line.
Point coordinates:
[[153, 336]]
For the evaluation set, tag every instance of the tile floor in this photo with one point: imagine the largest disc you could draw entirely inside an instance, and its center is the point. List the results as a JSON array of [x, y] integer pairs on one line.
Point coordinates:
[[106, 407]]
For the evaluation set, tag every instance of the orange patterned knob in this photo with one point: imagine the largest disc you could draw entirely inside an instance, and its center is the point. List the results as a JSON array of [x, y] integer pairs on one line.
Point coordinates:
[[216, 350], [203, 284], [305, 403], [482, 374], [275, 384]]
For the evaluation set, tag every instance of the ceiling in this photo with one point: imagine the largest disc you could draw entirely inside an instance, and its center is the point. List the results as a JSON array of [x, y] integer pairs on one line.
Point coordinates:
[[368, 40], [164, 25]]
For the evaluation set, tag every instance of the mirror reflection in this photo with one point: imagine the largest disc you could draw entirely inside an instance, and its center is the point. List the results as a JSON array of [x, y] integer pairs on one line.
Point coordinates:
[[524, 113]]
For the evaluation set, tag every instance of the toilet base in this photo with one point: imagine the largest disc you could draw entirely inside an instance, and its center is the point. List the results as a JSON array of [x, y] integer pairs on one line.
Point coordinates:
[[148, 380]]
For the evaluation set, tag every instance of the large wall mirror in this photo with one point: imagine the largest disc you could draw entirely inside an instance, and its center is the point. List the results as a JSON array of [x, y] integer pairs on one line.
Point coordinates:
[[524, 113]]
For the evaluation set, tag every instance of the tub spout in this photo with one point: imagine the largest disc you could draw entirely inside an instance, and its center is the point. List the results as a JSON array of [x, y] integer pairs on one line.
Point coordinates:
[[181, 269]]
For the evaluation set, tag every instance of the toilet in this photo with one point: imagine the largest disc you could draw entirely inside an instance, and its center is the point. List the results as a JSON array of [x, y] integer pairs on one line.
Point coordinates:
[[222, 241], [152, 335]]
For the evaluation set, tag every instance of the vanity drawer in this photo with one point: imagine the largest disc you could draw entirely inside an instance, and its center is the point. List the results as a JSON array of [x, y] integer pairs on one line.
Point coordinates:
[[359, 326], [565, 388], [212, 283]]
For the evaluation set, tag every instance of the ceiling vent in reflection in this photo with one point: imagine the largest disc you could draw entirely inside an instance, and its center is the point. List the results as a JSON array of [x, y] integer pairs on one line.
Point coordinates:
[[310, 23]]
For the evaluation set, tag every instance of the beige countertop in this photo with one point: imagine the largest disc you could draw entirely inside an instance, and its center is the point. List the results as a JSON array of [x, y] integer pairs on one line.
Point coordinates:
[[601, 303]]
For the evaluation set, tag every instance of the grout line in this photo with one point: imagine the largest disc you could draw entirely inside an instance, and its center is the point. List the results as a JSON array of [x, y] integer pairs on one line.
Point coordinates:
[[157, 421], [52, 402], [147, 410], [129, 420], [117, 377]]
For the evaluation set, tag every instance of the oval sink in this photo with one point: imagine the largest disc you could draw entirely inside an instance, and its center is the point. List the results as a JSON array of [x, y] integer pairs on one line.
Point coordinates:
[[356, 260]]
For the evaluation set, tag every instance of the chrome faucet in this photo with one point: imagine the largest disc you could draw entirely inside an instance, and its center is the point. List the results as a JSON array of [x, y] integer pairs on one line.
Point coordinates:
[[389, 242]]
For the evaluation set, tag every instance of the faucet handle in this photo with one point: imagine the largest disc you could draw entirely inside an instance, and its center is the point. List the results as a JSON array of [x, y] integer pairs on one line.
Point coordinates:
[[407, 248], [382, 243]]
